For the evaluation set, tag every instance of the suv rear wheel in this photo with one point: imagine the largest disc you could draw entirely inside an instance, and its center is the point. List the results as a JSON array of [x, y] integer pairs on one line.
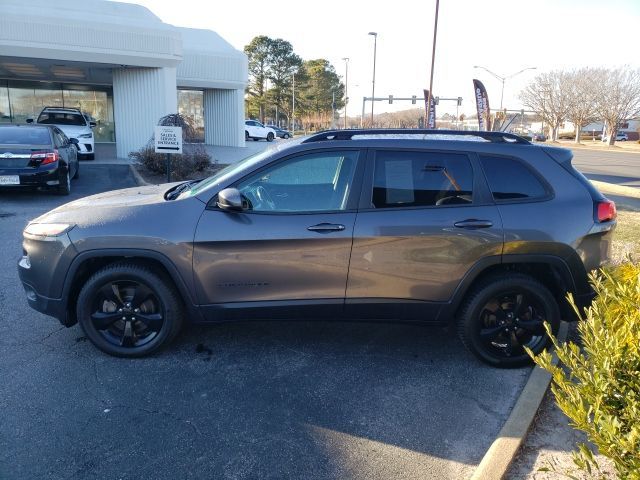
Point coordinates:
[[128, 310], [502, 315]]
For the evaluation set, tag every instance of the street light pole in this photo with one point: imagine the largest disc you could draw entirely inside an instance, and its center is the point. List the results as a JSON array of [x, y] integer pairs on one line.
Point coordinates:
[[293, 105], [346, 88], [504, 78], [373, 82], [433, 60]]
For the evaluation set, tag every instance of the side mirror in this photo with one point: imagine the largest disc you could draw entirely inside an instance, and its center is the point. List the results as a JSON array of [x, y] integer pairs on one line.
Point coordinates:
[[74, 141], [29, 120], [92, 124], [230, 199]]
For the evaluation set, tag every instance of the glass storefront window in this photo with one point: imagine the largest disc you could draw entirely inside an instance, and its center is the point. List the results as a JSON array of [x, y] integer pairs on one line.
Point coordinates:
[[191, 104], [96, 104], [20, 100], [5, 112]]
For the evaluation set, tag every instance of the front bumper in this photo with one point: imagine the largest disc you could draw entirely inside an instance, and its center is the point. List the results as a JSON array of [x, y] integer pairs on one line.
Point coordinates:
[[43, 270], [54, 307], [85, 146]]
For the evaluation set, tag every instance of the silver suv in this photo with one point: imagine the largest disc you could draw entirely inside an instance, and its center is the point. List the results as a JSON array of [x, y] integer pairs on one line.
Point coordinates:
[[483, 230]]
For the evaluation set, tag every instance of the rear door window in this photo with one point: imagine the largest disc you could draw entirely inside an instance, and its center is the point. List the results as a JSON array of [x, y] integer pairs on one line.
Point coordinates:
[[421, 179], [509, 179]]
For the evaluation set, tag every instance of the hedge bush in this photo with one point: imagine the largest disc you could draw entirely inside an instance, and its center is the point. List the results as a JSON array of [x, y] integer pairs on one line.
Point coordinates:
[[193, 162], [598, 386]]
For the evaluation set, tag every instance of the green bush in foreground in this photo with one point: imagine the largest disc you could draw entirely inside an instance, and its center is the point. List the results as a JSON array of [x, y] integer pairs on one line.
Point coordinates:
[[194, 161], [598, 386]]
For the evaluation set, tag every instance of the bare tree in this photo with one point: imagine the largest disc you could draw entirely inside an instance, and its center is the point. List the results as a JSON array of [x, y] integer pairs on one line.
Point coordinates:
[[547, 95], [619, 99], [583, 90]]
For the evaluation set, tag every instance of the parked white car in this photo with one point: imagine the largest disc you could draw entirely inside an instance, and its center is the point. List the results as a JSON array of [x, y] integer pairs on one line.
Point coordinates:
[[255, 130], [74, 124], [620, 137]]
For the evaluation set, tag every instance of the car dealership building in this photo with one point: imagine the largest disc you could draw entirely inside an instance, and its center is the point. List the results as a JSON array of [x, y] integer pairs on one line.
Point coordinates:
[[120, 64]]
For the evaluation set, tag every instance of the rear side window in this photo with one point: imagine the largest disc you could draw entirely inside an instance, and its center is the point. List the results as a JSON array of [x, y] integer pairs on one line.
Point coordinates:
[[24, 136], [421, 179], [509, 179]]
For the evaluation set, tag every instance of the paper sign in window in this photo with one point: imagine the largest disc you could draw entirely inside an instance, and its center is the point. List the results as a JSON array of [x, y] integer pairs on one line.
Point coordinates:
[[399, 181]]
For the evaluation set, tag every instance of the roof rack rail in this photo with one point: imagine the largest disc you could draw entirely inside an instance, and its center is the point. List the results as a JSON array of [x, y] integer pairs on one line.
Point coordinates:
[[60, 108], [495, 137]]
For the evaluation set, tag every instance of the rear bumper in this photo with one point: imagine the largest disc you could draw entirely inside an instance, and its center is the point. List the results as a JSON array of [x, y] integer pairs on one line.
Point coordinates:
[[48, 175], [584, 300]]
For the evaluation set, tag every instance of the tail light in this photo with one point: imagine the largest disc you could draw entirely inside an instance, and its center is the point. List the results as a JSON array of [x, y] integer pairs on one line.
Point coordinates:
[[44, 158], [606, 211]]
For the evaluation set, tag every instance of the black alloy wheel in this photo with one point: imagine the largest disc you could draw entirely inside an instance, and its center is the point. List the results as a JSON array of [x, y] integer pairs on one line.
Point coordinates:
[[504, 315], [128, 310], [269, 137]]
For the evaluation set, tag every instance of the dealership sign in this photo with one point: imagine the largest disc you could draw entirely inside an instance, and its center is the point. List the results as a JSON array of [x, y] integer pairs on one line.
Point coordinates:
[[168, 139]]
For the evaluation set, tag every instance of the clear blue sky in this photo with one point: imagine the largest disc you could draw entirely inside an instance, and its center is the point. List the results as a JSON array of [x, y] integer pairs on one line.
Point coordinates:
[[504, 36]]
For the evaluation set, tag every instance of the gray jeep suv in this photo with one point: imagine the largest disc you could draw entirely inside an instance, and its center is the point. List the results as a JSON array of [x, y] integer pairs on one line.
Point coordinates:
[[480, 229]]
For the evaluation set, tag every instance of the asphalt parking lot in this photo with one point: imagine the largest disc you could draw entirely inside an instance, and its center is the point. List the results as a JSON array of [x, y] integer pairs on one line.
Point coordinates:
[[239, 401]]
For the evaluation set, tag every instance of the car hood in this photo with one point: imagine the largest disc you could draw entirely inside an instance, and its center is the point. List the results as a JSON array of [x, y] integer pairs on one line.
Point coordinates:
[[105, 207], [73, 131]]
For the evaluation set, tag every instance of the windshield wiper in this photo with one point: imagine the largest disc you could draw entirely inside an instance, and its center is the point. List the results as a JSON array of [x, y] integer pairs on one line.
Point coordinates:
[[174, 192]]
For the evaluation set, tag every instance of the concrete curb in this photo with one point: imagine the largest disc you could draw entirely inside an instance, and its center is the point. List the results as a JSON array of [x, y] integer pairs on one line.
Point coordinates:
[[496, 461], [138, 178]]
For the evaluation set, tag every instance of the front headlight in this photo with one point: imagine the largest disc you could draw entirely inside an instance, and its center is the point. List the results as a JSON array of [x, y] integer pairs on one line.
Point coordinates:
[[47, 229], [86, 135]]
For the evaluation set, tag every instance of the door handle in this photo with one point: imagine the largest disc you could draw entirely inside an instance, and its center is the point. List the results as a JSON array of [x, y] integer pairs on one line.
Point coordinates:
[[472, 223], [326, 227]]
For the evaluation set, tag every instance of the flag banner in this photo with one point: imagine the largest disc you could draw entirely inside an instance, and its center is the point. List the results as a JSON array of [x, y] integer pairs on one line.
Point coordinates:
[[482, 104], [430, 112]]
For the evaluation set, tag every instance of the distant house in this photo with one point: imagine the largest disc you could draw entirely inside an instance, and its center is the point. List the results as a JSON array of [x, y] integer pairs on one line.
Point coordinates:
[[630, 127]]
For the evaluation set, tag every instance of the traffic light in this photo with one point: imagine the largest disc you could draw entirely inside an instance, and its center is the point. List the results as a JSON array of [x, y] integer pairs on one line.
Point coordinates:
[[437, 101], [459, 101], [413, 99], [390, 99]]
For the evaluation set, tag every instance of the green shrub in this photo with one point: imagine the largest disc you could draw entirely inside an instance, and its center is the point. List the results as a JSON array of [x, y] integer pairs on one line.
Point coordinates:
[[194, 162], [598, 385]]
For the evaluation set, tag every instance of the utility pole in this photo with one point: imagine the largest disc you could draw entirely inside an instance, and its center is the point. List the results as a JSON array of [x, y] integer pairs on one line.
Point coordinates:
[[293, 105], [346, 88], [433, 61], [373, 82]]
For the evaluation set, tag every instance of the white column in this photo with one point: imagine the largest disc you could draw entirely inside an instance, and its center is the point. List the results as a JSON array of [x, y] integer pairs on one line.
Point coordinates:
[[141, 96], [224, 117]]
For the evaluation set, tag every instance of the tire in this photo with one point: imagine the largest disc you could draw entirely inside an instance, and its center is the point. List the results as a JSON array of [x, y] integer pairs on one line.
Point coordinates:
[[77, 174], [90, 156], [491, 327], [285, 136], [269, 137], [147, 300], [64, 188], [246, 136]]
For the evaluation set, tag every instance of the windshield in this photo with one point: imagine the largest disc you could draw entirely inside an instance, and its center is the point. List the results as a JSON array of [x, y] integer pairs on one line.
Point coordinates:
[[60, 118]]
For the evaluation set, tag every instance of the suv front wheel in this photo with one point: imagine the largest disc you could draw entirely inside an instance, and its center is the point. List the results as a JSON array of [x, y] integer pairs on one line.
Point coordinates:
[[128, 310], [504, 314]]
